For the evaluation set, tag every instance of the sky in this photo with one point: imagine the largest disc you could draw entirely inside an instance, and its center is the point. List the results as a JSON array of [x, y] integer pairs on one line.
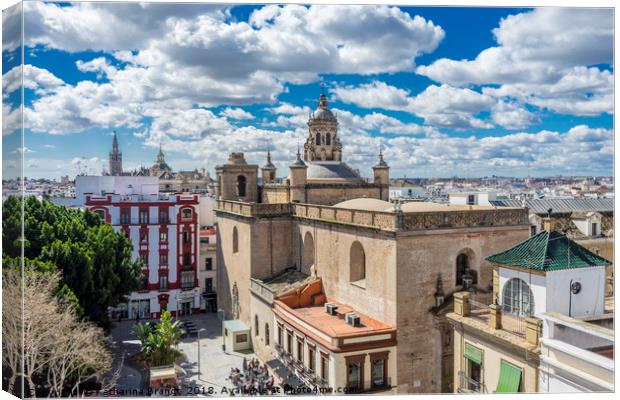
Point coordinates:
[[448, 91]]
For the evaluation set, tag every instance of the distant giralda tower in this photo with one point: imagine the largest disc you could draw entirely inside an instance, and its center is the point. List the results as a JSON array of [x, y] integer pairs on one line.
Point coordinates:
[[116, 158]]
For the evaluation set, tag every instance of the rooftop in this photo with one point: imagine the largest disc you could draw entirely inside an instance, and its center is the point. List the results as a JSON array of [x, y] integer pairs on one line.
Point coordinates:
[[207, 232], [335, 325], [306, 303], [548, 251], [558, 206], [331, 170], [287, 280], [370, 204]]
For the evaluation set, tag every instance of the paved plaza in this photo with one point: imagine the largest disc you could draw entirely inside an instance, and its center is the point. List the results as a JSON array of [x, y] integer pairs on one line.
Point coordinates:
[[215, 364]]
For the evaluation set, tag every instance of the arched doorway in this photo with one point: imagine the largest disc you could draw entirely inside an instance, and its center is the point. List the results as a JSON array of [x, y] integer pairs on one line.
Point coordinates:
[[241, 182], [464, 264], [307, 258]]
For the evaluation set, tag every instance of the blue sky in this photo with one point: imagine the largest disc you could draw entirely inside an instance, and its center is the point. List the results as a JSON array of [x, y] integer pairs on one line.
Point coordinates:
[[445, 91]]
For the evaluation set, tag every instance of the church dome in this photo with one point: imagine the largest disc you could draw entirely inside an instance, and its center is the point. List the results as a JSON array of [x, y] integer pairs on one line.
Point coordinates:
[[323, 114], [322, 111], [364, 203], [331, 171]]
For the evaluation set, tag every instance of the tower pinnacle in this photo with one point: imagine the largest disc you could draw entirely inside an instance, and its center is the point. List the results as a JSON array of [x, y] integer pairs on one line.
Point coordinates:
[[115, 158]]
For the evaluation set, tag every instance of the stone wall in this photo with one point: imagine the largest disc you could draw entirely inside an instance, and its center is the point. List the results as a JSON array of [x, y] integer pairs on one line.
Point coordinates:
[[275, 194], [261, 312], [332, 259], [234, 267], [420, 259], [333, 194]]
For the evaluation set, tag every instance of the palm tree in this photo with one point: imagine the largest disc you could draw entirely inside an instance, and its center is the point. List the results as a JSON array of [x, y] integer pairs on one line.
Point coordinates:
[[142, 331], [158, 341], [170, 330]]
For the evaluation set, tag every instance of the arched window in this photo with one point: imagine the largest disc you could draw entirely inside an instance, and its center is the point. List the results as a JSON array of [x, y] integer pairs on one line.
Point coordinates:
[[267, 339], [256, 325], [328, 139], [517, 298], [307, 258], [357, 263], [187, 213], [101, 214], [318, 138], [241, 186], [235, 240], [462, 265]]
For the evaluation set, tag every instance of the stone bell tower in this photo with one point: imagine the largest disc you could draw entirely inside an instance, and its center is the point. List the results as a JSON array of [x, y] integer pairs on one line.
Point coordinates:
[[381, 173], [115, 158], [236, 180], [268, 170], [323, 143]]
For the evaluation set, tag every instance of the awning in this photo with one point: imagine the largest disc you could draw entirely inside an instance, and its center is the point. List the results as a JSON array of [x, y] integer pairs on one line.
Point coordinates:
[[509, 378], [473, 354]]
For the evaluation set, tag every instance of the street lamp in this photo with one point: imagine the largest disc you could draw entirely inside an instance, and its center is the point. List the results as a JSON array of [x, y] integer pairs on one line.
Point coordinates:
[[201, 330]]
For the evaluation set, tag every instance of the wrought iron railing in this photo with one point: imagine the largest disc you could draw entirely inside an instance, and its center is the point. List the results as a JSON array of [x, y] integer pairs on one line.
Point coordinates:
[[468, 385], [512, 323]]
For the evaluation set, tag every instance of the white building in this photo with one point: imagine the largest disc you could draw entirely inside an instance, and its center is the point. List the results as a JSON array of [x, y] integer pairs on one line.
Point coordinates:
[[407, 192], [164, 232], [472, 198], [575, 355]]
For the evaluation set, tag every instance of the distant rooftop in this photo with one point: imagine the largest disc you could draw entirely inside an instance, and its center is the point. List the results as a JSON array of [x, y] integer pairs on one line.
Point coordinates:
[[559, 206], [369, 204]]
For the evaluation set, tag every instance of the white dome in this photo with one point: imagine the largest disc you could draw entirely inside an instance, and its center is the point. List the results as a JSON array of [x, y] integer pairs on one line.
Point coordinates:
[[364, 203]]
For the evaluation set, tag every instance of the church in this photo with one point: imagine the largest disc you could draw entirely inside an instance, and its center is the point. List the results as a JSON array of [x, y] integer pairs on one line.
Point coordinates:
[[342, 287], [321, 177]]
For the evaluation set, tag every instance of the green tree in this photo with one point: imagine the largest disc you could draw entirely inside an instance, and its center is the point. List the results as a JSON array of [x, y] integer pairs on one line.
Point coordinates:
[[95, 261], [158, 342]]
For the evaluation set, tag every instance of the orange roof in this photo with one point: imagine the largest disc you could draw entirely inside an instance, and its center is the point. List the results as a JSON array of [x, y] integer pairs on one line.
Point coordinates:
[[305, 306], [207, 232], [335, 326]]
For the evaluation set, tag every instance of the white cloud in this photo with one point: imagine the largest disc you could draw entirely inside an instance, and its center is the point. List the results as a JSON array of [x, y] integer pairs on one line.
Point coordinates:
[[11, 119], [376, 94], [79, 165], [201, 53], [440, 106], [512, 116], [236, 113], [543, 57]]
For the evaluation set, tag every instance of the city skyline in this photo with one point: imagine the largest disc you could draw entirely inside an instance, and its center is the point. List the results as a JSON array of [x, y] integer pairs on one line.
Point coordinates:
[[440, 97]]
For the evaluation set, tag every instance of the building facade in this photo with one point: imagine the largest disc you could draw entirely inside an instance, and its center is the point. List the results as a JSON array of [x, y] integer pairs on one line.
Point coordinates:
[[543, 288], [384, 261], [164, 232], [207, 271]]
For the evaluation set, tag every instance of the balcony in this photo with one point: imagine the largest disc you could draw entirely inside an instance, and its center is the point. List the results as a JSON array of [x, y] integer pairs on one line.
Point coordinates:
[[262, 290], [514, 324], [297, 368], [468, 385]]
